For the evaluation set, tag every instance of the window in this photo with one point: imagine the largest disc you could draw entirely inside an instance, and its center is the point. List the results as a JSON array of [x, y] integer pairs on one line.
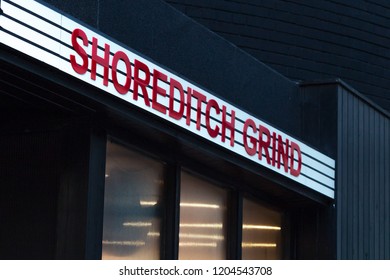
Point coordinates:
[[135, 208], [133, 203], [261, 232], [203, 226]]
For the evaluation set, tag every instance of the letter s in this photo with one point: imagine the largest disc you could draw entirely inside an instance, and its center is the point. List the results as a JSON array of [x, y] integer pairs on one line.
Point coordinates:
[[83, 68]]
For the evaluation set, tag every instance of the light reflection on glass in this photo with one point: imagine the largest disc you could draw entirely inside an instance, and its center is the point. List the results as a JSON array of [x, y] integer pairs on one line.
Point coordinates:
[[261, 227], [147, 203], [183, 204], [259, 245], [137, 224], [201, 236], [261, 232], [202, 233], [124, 243], [198, 244], [216, 226], [131, 178], [199, 205]]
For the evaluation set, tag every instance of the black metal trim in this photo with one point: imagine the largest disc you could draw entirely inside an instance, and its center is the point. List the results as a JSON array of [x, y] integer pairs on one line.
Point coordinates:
[[235, 226], [96, 183], [170, 249]]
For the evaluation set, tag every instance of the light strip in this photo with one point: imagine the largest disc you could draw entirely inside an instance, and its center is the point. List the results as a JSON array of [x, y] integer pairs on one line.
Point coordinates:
[[124, 243], [201, 236], [153, 234], [258, 245], [183, 204], [147, 203], [218, 226], [199, 205], [261, 227], [196, 244], [137, 224]]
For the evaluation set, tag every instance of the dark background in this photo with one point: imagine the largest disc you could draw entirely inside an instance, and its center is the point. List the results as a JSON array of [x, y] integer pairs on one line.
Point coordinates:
[[308, 40]]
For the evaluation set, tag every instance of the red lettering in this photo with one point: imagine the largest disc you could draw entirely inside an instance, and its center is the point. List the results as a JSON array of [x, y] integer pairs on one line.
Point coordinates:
[[172, 86], [157, 75], [122, 89], [283, 153], [139, 82], [264, 145], [249, 123], [273, 148], [189, 108], [228, 125], [212, 104], [255, 140], [103, 61], [83, 68], [201, 98], [295, 150]]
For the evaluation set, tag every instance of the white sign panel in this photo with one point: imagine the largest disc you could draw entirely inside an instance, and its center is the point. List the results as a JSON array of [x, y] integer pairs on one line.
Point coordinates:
[[63, 43]]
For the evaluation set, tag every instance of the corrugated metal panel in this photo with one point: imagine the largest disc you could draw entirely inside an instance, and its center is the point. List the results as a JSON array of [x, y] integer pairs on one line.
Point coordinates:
[[345, 38], [363, 196]]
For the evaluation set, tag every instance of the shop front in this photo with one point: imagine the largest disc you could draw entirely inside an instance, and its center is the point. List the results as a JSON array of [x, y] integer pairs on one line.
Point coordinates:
[[108, 154]]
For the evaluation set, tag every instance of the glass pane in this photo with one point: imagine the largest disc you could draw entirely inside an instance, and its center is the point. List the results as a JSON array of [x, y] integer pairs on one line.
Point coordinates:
[[132, 205], [202, 220], [261, 232]]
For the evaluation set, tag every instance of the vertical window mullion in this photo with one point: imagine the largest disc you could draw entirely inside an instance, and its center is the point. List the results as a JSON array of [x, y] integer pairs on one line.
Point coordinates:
[[171, 228], [97, 162], [235, 226]]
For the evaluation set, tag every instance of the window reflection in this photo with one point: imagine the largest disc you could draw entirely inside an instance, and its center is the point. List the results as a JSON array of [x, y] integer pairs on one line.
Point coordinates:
[[261, 232], [132, 205], [202, 233]]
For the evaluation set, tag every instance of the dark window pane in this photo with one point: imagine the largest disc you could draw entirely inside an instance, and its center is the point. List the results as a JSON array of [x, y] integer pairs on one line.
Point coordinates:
[[133, 203], [261, 232], [202, 219]]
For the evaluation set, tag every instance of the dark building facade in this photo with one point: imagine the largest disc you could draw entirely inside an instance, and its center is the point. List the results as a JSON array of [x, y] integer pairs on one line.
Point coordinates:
[[308, 40], [129, 131]]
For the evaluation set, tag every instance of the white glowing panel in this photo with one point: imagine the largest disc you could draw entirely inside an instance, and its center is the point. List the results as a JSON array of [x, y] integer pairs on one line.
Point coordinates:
[[74, 48]]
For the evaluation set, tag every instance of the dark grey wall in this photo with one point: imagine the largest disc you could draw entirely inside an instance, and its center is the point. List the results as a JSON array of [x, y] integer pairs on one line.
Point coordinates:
[[363, 179], [308, 40], [160, 32], [319, 116], [29, 191], [357, 133]]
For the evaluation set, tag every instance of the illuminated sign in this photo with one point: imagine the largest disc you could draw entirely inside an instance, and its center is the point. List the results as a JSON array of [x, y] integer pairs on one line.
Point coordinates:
[[55, 39]]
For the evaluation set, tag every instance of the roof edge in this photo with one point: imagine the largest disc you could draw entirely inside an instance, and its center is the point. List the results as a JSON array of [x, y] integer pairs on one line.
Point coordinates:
[[348, 87]]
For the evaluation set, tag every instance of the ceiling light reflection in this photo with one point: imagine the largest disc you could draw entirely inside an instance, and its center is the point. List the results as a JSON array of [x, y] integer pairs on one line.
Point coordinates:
[[147, 203], [124, 243], [261, 227], [258, 245], [199, 205], [182, 204], [201, 236], [197, 244], [217, 226], [137, 224]]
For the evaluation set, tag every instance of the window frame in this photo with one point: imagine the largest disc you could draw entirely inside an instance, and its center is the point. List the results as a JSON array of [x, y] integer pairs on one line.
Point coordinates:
[[174, 164]]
